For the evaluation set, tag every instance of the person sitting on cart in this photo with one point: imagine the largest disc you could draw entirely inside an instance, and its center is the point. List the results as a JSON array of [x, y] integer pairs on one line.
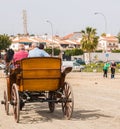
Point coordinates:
[[8, 60], [37, 51], [20, 54]]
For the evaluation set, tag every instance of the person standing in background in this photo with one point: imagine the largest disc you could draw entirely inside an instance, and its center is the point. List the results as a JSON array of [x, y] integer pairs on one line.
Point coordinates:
[[113, 66], [105, 69]]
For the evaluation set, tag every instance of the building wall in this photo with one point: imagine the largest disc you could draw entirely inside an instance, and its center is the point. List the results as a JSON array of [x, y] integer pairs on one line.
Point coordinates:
[[102, 57]]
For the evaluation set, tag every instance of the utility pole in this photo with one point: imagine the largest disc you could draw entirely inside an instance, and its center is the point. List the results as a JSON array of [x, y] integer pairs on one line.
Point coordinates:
[[25, 22], [52, 35]]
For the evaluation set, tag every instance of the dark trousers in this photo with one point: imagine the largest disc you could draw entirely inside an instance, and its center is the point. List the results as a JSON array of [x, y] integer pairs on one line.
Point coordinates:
[[105, 71], [112, 72]]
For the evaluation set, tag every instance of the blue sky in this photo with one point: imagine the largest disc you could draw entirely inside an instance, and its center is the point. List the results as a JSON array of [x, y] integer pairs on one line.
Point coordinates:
[[66, 16]]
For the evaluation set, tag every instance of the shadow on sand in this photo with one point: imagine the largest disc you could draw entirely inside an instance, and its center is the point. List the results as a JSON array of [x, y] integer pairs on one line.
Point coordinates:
[[39, 113]]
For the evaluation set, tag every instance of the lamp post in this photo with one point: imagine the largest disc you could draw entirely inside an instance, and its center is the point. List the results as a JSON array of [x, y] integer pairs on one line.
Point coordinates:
[[105, 20], [52, 35]]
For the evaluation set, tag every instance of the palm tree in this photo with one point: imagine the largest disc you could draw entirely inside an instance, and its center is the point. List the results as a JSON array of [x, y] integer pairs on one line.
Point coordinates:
[[118, 36], [89, 40]]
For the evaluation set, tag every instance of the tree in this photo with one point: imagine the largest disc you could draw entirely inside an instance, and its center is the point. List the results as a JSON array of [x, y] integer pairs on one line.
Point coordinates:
[[118, 36], [89, 40], [5, 42], [103, 34]]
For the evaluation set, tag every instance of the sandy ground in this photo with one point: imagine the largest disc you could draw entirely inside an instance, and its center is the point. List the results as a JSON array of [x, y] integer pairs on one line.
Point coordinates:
[[97, 106]]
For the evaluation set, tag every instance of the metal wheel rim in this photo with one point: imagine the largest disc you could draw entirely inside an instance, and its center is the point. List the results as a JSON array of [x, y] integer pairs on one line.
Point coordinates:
[[68, 101], [15, 100], [6, 103]]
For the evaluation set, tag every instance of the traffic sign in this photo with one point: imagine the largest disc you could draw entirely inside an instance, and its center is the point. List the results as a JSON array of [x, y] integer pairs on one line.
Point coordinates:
[[107, 55]]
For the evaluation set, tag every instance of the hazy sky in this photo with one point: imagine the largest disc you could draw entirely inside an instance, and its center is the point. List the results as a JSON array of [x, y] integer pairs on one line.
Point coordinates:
[[66, 16]]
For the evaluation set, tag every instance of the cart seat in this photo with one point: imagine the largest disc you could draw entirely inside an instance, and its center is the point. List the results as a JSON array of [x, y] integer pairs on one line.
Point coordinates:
[[40, 74]]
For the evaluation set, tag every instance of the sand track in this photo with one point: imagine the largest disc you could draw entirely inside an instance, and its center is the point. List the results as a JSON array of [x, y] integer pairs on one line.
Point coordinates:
[[97, 106]]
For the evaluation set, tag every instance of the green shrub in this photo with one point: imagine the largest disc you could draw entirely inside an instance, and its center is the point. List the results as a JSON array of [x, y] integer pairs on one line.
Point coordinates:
[[98, 67]]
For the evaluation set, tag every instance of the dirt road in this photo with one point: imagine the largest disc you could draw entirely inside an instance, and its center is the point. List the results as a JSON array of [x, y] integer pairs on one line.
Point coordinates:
[[97, 106]]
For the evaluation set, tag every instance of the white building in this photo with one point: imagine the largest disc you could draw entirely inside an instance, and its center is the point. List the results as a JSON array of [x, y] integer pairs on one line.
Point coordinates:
[[108, 43]]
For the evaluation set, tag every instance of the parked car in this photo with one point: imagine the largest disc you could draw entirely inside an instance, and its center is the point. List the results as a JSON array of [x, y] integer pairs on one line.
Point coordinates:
[[117, 62], [80, 61], [78, 67], [75, 66]]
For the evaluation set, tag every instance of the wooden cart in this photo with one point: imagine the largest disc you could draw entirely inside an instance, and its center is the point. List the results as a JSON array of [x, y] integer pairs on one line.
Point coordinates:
[[39, 79]]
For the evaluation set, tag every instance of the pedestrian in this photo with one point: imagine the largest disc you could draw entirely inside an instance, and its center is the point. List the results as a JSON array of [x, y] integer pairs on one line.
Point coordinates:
[[113, 66], [105, 69]]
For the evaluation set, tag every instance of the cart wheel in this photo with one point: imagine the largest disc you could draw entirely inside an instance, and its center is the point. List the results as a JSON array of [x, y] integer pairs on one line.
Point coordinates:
[[15, 102], [51, 105], [6, 103], [67, 101]]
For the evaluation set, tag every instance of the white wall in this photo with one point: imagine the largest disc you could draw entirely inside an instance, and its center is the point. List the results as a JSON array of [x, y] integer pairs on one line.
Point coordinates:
[[102, 56]]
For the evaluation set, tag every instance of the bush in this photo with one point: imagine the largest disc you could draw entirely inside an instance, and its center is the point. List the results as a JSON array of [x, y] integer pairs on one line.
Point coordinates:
[[116, 51], [56, 51], [98, 67]]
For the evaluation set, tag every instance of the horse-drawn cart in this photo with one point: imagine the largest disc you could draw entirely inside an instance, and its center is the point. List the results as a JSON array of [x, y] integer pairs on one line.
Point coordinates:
[[39, 79]]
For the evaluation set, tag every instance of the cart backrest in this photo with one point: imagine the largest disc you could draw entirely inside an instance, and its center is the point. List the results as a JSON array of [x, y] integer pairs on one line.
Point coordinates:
[[40, 73]]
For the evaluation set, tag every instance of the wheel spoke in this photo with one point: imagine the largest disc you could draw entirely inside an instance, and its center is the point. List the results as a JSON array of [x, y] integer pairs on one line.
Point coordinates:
[[68, 95], [51, 104]]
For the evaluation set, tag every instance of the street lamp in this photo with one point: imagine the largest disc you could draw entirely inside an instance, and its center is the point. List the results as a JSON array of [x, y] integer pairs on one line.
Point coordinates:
[[105, 20], [52, 35]]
